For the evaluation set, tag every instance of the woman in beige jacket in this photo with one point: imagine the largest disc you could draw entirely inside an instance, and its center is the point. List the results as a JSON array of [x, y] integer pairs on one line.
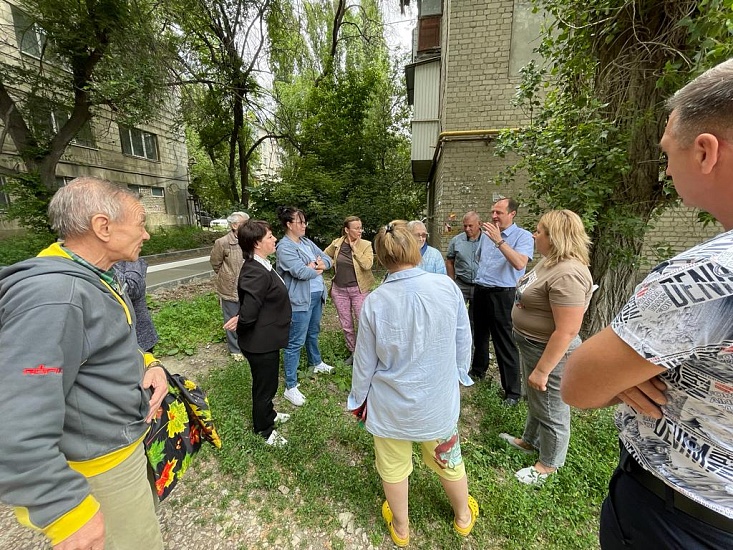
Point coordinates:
[[352, 261]]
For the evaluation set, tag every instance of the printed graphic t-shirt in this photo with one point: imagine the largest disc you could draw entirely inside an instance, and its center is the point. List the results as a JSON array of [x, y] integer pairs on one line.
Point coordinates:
[[681, 318]]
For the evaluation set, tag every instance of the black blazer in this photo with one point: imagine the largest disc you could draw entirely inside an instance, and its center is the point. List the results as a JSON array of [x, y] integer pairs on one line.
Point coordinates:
[[264, 309]]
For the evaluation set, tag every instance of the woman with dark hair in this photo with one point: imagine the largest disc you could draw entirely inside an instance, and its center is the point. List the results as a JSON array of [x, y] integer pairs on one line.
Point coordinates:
[[352, 261], [263, 324], [548, 312], [412, 352], [301, 263]]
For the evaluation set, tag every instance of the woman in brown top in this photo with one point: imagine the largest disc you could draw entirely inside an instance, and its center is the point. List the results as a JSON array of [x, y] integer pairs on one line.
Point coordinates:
[[548, 311], [352, 260]]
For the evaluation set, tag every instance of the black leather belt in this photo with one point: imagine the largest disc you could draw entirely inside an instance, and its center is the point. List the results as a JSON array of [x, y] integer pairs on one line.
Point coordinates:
[[496, 288], [671, 497]]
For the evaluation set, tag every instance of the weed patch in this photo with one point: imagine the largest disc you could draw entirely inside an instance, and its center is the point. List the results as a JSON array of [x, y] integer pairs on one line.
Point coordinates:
[[183, 325]]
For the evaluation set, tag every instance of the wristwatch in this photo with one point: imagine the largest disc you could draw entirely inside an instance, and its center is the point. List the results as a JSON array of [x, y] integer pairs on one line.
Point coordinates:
[[501, 242]]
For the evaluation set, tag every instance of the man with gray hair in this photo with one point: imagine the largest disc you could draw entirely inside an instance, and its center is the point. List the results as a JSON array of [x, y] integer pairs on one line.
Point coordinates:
[[432, 259], [74, 381], [668, 355], [226, 260]]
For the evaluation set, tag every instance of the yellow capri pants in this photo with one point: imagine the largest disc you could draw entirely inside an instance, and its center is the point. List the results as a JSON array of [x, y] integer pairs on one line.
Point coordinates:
[[443, 456]]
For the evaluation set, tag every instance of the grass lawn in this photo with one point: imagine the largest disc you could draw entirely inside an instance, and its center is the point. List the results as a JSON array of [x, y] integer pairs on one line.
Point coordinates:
[[328, 465]]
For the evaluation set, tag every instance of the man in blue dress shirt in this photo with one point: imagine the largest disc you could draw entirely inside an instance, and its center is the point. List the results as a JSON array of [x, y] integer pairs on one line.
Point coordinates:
[[503, 252]]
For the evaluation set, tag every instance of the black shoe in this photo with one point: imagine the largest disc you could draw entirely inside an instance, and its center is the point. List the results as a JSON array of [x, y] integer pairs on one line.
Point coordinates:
[[476, 377], [349, 360], [511, 402]]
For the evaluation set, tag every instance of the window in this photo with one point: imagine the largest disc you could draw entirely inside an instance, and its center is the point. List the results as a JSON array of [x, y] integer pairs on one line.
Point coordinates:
[[147, 191], [62, 181], [29, 34], [139, 143], [428, 35], [84, 136]]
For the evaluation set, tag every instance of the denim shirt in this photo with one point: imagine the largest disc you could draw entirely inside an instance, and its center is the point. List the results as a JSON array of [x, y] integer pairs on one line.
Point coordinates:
[[412, 351], [494, 269], [432, 261], [292, 266]]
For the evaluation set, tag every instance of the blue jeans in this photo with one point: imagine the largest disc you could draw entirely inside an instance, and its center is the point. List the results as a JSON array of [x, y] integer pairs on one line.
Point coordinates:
[[548, 417], [305, 326]]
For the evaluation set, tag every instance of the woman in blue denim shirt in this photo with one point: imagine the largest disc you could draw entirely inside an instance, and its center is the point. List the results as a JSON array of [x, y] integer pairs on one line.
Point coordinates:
[[301, 263]]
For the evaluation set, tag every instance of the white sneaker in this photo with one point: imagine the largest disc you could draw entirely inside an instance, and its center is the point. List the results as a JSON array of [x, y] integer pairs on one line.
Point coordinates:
[[294, 396], [531, 476], [276, 440], [237, 357], [281, 418], [323, 368]]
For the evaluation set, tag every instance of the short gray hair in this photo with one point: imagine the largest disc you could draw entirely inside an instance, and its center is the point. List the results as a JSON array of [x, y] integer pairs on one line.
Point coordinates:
[[705, 105], [73, 206], [414, 223], [237, 217]]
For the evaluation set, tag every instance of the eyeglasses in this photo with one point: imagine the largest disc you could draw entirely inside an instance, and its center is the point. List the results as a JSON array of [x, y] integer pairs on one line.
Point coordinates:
[[422, 235], [300, 222], [359, 229]]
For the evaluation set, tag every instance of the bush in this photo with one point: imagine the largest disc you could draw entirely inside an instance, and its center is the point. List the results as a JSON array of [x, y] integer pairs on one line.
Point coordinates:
[[17, 248], [170, 239]]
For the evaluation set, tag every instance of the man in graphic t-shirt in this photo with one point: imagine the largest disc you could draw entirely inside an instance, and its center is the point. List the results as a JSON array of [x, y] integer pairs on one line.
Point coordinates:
[[668, 355]]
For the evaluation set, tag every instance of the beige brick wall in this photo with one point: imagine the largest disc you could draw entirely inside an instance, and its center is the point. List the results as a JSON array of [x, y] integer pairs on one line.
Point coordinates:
[[465, 181], [676, 230], [476, 92], [477, 87]]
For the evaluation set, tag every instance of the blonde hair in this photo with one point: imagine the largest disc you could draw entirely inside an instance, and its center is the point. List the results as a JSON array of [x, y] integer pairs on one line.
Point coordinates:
[[396, 246], [568, 239], [347, 221]]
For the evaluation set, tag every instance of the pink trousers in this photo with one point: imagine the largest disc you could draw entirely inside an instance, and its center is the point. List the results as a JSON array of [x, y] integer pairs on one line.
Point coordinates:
[[348, 302]]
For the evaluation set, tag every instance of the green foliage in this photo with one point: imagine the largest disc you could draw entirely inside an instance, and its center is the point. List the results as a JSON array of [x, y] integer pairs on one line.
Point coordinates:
[[344, 113], [96, 55], [596, 114], [220, 49], [165, 239], [170, 239], [16, 248], [29, 205], [184, 325]]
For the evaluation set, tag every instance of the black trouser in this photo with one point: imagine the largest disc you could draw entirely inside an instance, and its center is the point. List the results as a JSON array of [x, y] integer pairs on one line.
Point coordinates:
[[492, 317], [634, 517], [265, 368]]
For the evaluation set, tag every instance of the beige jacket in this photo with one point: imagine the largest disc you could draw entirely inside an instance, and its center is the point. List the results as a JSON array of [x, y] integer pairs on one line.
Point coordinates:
[[363, 261], [226, 260]]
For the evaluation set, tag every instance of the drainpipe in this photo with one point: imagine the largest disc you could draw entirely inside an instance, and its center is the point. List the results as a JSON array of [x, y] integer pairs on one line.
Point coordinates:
[[459, 135]]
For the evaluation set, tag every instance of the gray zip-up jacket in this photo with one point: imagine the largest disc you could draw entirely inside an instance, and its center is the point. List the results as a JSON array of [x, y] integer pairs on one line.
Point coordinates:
[[71, 388]]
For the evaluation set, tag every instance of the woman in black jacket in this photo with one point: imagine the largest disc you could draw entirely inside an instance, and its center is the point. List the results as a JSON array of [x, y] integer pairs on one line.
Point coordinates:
[[263, 324]]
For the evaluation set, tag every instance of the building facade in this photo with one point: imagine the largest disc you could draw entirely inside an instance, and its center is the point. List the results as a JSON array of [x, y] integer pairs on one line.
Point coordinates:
[[151, 158], [467, 55]]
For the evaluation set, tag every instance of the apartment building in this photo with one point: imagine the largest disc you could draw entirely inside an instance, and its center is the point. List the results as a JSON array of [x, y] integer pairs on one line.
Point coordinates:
[[464, 72], [150, 158]]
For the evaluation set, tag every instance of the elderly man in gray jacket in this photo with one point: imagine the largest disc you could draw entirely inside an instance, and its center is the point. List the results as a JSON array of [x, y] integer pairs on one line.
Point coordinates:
[[226, 260], [74, 381]]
